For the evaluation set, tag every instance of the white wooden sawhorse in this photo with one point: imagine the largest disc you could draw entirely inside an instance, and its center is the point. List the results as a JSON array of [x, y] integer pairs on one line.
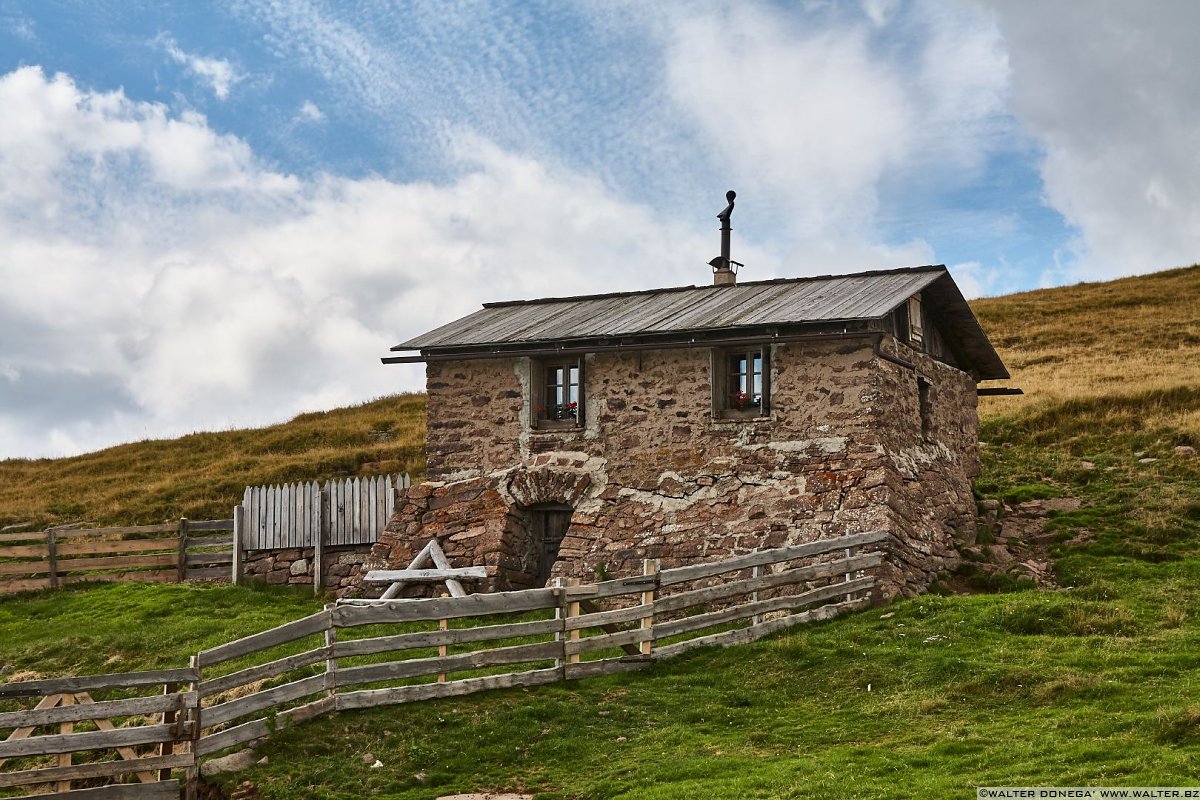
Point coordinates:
[[430, 566]]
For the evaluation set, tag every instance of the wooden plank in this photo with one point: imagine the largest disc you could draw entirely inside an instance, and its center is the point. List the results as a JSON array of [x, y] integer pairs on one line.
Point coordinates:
[[196, 559], [258, 728], [680, 600], [32, 536], [182, 551], [25, 568], [144, 576], [664, 630], [87, 683], [125, 546], [441, 562], [288, 632], [159, 790], [211, 524], [405, 641], [614, 617], [605, 666], [317, 528], [478, 659], [250, 519], [353, 506], [91, 740], [591, 643], [433, 575], [207, 573], [743, 635], [12, 586], [75, 533], [669, 577], [370, 698], [105, 709], [81, 564], [635, 584], [262, 700], [222, 540], [346, 616], [239, 535], [99, 769], [271, 669], [52, 557], [270, 541], [90, 548]]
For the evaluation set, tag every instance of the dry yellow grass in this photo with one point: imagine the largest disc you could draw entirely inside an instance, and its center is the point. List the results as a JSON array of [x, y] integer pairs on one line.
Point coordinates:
[[1122, 338], [202, 475]]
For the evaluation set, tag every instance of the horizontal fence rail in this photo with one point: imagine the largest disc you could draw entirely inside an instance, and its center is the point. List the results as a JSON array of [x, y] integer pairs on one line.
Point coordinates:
[[144, 731], [362, 654], [165, 553]]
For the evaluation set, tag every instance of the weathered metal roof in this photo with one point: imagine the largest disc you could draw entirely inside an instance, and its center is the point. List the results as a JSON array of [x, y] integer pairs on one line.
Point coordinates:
[[693, 309]]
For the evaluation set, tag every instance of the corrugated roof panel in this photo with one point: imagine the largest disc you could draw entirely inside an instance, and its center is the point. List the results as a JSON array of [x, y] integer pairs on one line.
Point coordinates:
[[796, 301]]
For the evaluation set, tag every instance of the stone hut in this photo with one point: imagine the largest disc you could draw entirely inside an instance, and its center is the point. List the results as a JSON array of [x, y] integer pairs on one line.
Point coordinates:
[[576, 436]]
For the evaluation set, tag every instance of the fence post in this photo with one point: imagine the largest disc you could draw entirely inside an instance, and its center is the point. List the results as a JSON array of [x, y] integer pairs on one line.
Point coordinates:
[[849, 575], [331, 663], [649, 567], [64, 759], [319, 544], [52, 556], [755, 572], [572, 610], [183, 532], [560, 591], [169, 717], [192, 772], [238, 524], [442, 649]]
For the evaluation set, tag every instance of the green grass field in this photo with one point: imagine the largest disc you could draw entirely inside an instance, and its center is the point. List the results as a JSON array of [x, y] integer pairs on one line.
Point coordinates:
[[1095, 684]]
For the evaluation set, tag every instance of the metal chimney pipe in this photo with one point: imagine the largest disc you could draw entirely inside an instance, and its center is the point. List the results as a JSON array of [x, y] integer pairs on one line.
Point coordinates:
[[723, 274]]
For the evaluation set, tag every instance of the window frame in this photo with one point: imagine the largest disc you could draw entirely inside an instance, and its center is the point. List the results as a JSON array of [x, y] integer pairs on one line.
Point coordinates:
[[539, 394], [721, 372]]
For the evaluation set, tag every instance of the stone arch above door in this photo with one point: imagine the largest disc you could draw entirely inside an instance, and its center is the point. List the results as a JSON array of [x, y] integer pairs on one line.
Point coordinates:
[[543, 486]]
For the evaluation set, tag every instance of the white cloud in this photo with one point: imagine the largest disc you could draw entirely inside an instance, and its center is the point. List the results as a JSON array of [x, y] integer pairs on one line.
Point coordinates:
[[159, 279], [219, 74], [310, 112], [821, 116], [1113, 98]]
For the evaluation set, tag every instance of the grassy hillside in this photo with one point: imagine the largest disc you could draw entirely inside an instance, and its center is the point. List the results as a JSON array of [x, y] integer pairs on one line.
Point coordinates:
[[1098, 683], [202, 476]]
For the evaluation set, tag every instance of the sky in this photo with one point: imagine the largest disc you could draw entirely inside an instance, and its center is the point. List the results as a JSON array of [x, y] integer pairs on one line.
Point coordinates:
[[221, 214]]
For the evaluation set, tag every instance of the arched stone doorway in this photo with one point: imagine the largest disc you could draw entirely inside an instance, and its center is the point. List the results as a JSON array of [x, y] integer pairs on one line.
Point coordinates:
[[539, 519]]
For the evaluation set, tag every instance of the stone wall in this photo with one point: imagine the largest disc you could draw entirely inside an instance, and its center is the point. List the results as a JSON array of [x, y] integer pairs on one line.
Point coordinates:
[[295, 566], [651, 474]]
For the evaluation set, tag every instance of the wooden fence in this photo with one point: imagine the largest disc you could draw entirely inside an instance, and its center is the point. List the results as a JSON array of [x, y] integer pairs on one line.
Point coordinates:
[[342, 512], [362, 654], [149, 734], [174, 551]]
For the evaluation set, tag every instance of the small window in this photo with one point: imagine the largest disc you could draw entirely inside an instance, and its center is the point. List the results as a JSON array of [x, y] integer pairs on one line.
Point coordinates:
[[916, 327], [557, 396], [740, 382], [926, 405]]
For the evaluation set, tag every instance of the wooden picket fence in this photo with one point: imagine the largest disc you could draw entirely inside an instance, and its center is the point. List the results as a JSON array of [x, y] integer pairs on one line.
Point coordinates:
[[166, 553], [368, 653], [340, 512]]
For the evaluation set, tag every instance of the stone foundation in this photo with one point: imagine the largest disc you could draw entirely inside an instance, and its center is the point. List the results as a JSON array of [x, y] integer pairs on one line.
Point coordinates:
[[295, 566]]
